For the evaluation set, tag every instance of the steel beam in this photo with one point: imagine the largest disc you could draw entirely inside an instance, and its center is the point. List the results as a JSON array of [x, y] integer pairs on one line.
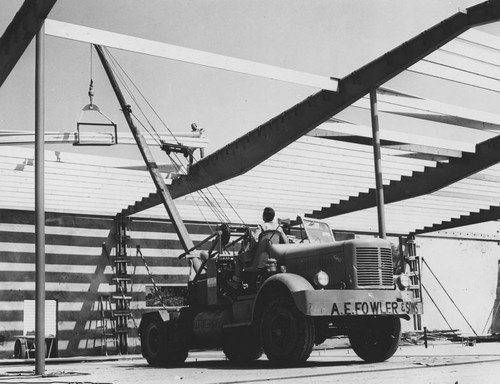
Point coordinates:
[[264, 141], [483, 216], [192, 140], [22, 29], [424, 182], [421, 151], [187, 55]]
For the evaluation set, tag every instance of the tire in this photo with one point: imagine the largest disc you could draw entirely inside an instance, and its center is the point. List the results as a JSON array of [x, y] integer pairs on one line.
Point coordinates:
[[151, 343], [287, 335], [242, 346], [20, 347], [175, 348], [375, 338], [164, 344]]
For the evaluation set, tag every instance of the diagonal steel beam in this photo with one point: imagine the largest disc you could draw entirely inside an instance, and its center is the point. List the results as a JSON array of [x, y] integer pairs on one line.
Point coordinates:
[[23, 27], [258, 145], [421, 183], [484, 215]]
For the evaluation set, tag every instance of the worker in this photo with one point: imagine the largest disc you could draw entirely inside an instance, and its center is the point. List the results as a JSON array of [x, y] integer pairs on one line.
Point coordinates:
[[248, 250], [268, 222]]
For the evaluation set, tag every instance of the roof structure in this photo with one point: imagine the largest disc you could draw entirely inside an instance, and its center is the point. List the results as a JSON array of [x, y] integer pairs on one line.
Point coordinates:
[[439, 158]]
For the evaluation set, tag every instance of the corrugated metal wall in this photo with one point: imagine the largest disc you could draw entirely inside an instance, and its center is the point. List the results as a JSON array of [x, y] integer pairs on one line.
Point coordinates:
[[77, 273]]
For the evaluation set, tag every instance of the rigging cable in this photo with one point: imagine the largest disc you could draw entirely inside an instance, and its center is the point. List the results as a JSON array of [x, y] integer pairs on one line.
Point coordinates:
[[488, 319], [119, 69], [222, 194], [115, 68], [91, 83], [458, 309], [218, 211], [215, 207], [439, 310]]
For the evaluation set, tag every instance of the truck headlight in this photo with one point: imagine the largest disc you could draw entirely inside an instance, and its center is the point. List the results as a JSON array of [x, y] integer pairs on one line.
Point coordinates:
[[403, 281], [321, 279]]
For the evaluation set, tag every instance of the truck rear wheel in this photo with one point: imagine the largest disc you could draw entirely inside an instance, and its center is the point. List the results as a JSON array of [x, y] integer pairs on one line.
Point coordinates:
[[151, 344], [287, 334], [175, 348], [241, 345], [164, 344], [375, 338]]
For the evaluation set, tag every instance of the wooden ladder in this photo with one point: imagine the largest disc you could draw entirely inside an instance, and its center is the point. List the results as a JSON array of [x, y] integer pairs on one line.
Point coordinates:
[[108, 325]]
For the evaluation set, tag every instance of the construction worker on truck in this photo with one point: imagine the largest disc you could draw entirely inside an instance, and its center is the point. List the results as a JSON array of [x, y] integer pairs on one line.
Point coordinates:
[[252, 249]]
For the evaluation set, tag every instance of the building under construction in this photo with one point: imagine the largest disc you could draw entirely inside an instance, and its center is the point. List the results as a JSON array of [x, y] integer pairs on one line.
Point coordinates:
[[110, 244]]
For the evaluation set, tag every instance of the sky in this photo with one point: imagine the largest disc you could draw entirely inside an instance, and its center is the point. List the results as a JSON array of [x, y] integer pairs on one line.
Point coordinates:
[[324, 37]]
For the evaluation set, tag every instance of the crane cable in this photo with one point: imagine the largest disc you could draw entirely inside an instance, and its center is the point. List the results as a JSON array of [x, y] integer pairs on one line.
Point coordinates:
[[218, 212], [214, 185], [120, 73], [215, 207], [91, 83]]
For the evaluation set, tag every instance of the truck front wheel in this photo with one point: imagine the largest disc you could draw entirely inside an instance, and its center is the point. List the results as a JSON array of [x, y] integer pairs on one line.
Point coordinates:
[[374, 338], [287, 334]]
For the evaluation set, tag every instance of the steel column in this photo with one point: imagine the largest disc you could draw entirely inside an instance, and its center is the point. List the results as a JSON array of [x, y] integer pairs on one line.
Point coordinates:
[[40, 204], [378, 164]]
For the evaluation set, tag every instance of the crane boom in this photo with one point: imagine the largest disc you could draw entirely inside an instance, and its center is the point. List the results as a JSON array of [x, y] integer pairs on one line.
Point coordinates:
[[151, 165]]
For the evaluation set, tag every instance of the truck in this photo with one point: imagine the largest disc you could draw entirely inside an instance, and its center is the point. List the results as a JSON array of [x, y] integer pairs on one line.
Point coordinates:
[[299, 288]]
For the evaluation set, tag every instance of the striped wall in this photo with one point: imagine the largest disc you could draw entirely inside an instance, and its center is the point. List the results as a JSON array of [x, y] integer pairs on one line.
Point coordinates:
[[77, 273]]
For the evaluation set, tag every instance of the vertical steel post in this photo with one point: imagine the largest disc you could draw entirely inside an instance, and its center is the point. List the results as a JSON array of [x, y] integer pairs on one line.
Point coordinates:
[[378, 164], [40, 203]]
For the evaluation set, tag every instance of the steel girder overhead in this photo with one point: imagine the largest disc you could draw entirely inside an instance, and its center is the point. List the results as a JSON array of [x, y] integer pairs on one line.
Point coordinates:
[[20, 32], [258, 145], [490, 214], [421, 183]]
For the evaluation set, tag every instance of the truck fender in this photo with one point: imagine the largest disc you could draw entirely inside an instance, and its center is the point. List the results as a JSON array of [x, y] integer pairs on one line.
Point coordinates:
[[281, 284], [156, 317]]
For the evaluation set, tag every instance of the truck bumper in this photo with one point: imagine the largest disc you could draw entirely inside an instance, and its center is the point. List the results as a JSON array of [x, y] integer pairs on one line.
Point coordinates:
[[356, 302]]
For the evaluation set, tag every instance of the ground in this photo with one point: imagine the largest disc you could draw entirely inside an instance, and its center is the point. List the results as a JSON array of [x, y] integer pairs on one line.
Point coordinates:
[[442, 362]]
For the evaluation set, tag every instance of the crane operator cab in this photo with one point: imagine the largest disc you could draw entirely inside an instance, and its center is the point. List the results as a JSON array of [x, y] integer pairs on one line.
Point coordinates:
[[246, 256], [270, 246]]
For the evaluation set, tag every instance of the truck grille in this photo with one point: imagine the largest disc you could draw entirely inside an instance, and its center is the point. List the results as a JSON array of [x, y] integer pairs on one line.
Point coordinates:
[[374, 266]]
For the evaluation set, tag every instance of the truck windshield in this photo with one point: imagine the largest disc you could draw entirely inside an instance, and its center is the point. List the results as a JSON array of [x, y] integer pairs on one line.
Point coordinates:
[[318, 232]]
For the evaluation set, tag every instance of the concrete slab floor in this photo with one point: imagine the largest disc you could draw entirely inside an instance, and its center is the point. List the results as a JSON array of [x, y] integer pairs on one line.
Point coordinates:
[[440, 363]]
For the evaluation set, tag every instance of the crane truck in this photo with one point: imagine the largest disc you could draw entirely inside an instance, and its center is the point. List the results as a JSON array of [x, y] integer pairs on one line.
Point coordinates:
[[298, 290]]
